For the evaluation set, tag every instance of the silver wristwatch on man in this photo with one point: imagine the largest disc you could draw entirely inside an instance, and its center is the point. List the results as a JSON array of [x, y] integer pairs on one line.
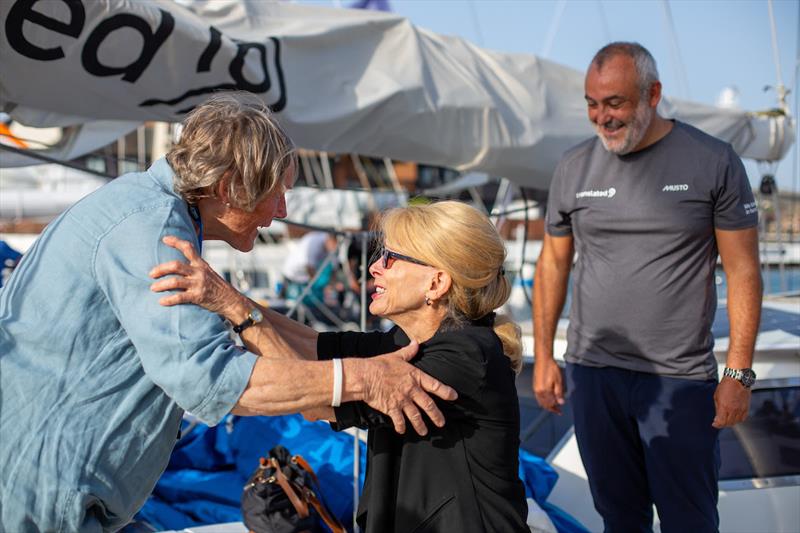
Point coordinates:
[[745, 376]]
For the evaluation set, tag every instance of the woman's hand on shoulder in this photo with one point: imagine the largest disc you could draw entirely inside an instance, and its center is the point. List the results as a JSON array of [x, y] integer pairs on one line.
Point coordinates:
[[194, 282]]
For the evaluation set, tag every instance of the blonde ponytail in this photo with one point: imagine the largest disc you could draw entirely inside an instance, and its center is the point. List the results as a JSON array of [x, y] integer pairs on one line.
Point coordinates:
[[511, 336]]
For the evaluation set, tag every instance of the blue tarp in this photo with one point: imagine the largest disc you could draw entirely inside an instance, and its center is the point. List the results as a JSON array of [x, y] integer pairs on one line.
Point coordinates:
[[210, 466], [8, 258]]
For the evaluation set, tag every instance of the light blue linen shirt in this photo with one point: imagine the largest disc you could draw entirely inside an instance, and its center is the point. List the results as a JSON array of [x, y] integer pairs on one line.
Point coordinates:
[[94, 374]]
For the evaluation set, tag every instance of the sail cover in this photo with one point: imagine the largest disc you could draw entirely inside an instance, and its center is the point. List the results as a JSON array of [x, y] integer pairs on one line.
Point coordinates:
[[340, 80]]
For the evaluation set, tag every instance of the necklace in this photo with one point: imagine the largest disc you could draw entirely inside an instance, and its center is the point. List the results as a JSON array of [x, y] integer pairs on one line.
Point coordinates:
[[194, 212]]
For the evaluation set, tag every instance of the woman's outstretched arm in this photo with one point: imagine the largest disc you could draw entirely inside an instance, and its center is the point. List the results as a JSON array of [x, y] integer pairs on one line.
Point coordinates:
[[197, 283]]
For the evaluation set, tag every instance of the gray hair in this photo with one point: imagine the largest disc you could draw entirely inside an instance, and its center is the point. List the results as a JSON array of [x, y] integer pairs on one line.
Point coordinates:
[[231, 136], [646, 70]]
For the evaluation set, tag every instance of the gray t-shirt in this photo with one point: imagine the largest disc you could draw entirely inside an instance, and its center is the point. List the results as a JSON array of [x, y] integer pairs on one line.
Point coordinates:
[[643, 293]]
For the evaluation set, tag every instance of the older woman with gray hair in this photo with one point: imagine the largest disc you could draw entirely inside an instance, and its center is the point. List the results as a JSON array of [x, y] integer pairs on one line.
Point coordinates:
[[95, 375], [439, 278]]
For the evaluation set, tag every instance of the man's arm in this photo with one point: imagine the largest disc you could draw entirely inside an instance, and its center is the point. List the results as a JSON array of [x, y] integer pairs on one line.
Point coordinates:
[[549, 294], [282, 381], [387, 383], [738, 250], [287, 337], [286, 382]]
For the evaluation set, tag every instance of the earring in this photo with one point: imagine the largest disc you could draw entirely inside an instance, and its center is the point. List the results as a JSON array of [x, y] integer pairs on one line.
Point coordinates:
[[427, 301]]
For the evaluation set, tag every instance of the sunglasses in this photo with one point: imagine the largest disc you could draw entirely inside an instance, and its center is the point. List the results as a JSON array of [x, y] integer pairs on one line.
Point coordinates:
[[389, 257]]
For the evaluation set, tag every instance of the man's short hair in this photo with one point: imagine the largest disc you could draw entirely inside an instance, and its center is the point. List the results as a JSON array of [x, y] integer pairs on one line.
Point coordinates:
[[643, 60], [231, 136]]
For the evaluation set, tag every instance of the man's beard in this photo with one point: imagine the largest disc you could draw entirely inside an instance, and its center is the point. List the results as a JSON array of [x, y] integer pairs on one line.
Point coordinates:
[[635, 131]]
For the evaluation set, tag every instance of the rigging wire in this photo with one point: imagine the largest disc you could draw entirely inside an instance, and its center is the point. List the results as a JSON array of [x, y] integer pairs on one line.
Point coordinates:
[[48, 159], [476, 21], [796, 159], [526, 222], [781, 92], [769, 199], [10, 137], [675, 51], [604, 21], [781, 89], [555, 23]]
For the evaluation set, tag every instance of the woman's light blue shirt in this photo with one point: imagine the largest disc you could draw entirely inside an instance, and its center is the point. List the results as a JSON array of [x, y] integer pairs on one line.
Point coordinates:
[[94, 374]]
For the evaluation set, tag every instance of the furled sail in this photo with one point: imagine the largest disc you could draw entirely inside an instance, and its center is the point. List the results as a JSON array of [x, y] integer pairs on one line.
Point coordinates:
[[340, 80]]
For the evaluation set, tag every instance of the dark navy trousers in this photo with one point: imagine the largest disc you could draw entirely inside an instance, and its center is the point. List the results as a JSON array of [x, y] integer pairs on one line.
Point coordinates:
[[647, 439]]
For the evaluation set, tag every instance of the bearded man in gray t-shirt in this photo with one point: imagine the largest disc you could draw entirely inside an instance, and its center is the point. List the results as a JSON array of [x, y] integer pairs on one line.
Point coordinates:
[[647, 205]]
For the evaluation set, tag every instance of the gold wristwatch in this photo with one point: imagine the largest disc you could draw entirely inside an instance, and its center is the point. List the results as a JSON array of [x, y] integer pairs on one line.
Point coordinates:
[[254, 317]]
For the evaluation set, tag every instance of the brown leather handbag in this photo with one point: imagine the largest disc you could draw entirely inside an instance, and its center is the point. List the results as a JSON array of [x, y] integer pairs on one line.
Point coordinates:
[[282, 496]]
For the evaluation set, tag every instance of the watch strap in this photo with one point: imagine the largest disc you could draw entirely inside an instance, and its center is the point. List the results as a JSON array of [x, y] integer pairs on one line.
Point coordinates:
[[252, 317], [745, 376], [246, 323], [733, 373]]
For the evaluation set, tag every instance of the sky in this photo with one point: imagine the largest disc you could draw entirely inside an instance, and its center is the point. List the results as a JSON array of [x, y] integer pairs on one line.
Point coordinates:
[[708, 46]]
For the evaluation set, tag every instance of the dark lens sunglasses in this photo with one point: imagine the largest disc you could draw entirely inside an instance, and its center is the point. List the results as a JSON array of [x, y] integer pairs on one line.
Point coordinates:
[[389, 257]]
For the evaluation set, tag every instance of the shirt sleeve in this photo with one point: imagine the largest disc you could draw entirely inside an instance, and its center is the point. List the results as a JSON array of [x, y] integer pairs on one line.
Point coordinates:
[[734, 206], [184, 349], [333, 344], [360, 415], [558, 221], [355, 344], [456, 362]]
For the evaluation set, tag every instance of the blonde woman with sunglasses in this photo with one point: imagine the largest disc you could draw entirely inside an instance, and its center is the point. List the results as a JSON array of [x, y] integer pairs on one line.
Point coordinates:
[[439, 277]]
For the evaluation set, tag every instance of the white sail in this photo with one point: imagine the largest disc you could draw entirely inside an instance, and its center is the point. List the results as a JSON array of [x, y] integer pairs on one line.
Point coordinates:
[[340, 80]]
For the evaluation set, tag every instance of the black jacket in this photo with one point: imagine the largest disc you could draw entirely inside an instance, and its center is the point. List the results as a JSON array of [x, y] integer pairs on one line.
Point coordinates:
[[462, 477]]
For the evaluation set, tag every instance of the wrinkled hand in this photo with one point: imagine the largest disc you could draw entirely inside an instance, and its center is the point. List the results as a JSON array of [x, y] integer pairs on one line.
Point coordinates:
[[196, 281], [400, 390], [732, 402], [548, 384]]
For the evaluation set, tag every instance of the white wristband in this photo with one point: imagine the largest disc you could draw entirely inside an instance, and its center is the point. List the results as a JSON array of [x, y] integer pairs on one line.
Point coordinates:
[[336, 400]]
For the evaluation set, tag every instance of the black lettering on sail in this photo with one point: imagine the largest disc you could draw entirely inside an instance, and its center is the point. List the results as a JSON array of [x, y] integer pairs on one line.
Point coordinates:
[[236, 70], [152, 42], [204, 63], [22, 11], [280, 103]]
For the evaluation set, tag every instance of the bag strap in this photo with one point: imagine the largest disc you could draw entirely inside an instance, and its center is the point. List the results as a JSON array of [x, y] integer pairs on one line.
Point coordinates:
[[299, 505], [330, 520], [302, 463]]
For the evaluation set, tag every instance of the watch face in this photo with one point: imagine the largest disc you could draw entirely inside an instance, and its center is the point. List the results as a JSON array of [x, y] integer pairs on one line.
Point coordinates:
[[256, 315], [748, 377]]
